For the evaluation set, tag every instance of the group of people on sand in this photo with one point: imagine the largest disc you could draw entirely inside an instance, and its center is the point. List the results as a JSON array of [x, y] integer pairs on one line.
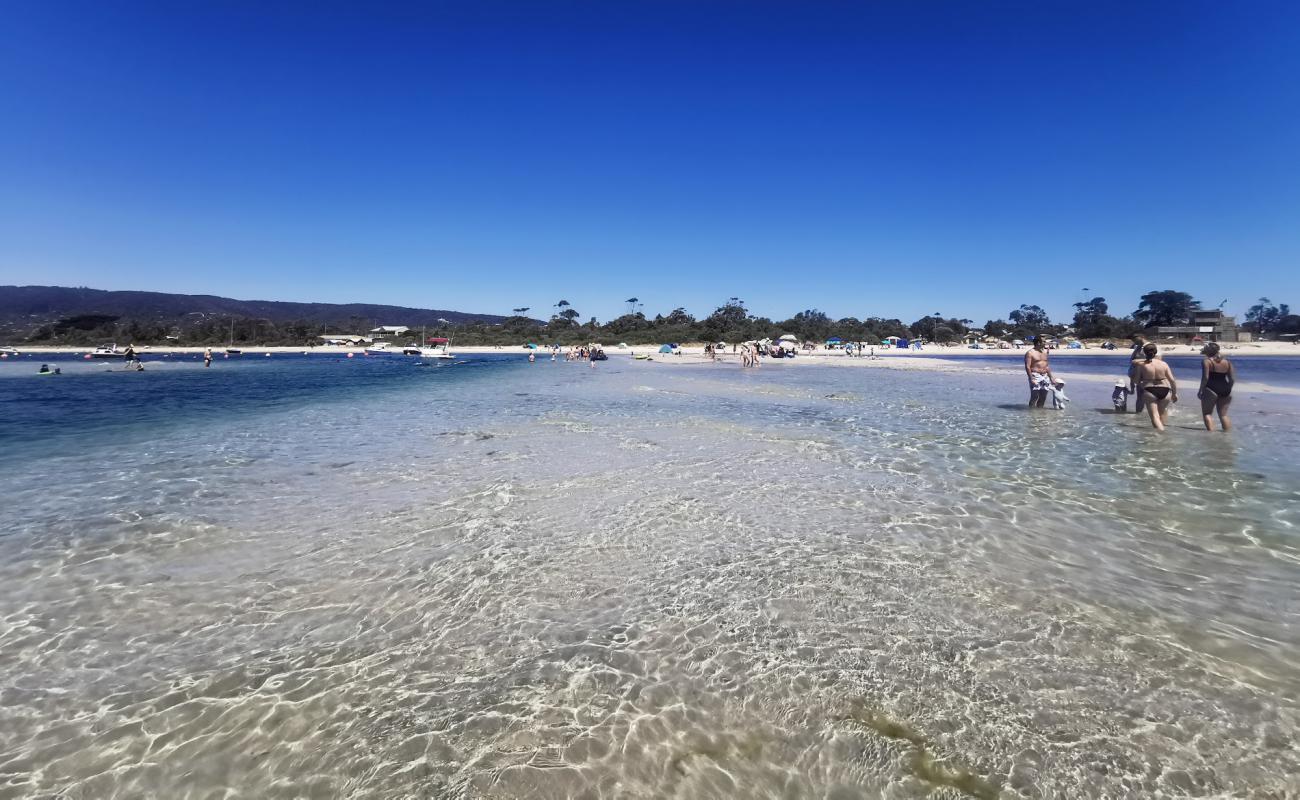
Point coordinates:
[[1150, 379]]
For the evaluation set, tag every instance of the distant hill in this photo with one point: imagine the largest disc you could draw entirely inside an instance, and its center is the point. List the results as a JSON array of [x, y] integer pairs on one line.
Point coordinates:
[[24, 309]]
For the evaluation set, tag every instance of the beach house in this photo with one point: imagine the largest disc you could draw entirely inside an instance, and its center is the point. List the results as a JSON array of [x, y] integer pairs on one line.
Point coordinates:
[[1210, 325], [386, 331]]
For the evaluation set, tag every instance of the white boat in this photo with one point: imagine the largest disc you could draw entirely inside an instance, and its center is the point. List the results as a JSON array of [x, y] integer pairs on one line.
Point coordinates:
[[381, 349], [439, 349], [8, 351], [107, 351]]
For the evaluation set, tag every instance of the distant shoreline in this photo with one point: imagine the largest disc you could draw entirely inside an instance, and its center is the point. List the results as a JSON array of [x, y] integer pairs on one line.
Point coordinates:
[[931, 351]]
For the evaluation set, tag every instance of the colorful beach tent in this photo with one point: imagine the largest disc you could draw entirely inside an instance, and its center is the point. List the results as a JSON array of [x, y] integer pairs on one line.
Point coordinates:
[[666, 348], [834, 340]]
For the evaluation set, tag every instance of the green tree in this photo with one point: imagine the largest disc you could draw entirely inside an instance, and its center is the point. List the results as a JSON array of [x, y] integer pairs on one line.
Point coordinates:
[[998, 328], [928, 328], [678, 316], [1092, 320], [1030, 320], [1165, 307], [730, 318], [1264, 316], [809, 324]]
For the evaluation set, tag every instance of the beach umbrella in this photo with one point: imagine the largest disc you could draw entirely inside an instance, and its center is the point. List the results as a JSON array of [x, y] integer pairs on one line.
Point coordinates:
[[1017, 341], [788, 337], [622, 345], [666, 348]]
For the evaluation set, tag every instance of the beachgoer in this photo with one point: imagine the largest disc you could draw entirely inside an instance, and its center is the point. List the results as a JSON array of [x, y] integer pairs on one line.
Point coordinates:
[[1135, 358], [1039, 373], [1119, 397], [1058, 395], [531, 357], [45, 368], [1217, 378], [1156, 381], [207, 357]]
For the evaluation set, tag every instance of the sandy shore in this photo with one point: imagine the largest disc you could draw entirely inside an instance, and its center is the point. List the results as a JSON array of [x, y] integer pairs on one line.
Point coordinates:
[[931, 351]]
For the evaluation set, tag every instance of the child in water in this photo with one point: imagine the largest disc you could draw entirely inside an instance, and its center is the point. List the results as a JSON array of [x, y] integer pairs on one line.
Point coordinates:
[[1058, 395], [1119, 397]]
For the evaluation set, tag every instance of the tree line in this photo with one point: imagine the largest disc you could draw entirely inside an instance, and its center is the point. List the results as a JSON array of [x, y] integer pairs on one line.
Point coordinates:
[[729, 322]]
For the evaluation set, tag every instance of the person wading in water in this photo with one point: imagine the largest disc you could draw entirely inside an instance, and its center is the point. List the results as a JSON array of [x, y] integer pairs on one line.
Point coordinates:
[[1157, 385], [1217, 377], [1039, 373]]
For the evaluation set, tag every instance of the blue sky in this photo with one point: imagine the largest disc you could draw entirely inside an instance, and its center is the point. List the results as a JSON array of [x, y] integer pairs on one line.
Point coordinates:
[[891, 159]]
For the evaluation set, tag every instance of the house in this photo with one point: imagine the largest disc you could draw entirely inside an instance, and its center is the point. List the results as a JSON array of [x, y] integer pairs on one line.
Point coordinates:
[[1204, 325], [385, 331]]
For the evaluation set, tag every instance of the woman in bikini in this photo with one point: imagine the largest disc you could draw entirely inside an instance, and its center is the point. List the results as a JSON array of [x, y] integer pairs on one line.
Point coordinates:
[[1217, 377], [1157, 385]]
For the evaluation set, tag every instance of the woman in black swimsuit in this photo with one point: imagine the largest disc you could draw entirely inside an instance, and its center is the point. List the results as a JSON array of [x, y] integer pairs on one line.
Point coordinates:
[[1156, 380], [1217, 377]]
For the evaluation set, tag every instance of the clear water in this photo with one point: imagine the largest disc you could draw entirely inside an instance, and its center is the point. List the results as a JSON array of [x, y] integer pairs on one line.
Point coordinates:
[[1271, 370], [318, 577]]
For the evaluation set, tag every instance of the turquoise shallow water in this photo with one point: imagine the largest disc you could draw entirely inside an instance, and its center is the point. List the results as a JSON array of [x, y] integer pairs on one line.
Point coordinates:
[[320, 577]]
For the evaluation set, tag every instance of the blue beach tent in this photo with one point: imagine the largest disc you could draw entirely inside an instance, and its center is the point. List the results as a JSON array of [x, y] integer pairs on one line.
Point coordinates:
[[666, 348]]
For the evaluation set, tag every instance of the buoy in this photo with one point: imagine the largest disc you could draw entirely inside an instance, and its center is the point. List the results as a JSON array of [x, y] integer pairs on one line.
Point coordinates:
[[87, 356], [268, 355], [351, 354]]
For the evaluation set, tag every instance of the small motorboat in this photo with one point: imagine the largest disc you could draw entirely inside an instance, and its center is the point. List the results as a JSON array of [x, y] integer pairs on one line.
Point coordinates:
[[8, 351], [438, 350], [108, 351], [381, 349]]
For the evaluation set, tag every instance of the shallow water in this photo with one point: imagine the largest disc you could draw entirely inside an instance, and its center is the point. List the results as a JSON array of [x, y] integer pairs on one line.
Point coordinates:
[[319, 577], [1276, 371]]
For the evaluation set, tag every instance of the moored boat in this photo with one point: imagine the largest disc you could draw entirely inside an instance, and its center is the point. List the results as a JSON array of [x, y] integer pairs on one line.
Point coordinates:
[[108, 351], [436, 347]]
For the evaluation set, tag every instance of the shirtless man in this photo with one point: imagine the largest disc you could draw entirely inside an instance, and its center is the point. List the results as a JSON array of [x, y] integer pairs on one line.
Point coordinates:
[[1038, 372], [1156, 383]]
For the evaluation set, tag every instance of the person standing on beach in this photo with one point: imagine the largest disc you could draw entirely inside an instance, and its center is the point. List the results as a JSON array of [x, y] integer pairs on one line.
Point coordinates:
[[1217, 378], [1156, 380], [1039, 373]]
